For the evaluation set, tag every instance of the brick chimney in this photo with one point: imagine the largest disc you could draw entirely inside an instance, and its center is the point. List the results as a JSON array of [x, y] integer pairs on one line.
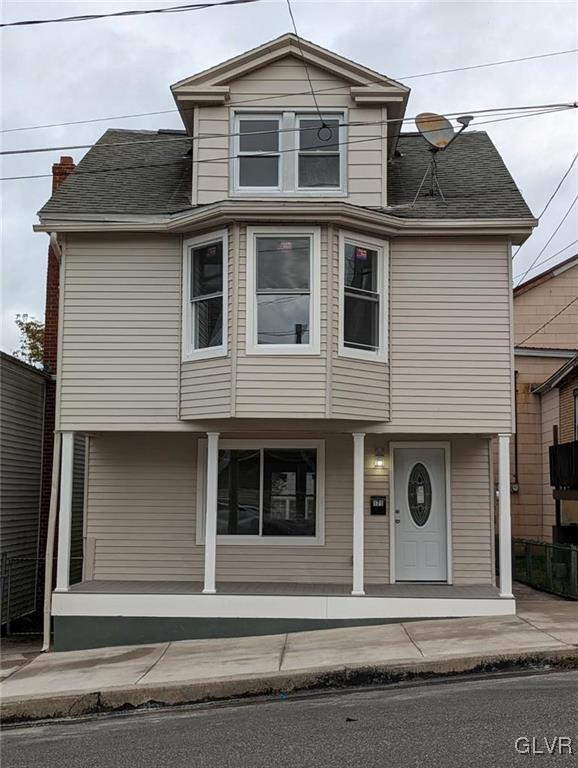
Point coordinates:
[[59, 173]]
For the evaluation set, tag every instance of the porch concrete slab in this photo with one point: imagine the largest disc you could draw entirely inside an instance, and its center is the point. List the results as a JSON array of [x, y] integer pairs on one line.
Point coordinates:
[[353, 646], [220, 658], [444, 638], [559, 619], [83, 670]]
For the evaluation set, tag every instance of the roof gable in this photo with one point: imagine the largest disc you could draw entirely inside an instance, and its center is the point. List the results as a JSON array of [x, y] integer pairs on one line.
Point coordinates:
[[549, 274]]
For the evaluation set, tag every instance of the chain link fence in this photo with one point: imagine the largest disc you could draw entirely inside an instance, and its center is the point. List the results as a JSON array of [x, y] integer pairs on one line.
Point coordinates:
[[550, 567]]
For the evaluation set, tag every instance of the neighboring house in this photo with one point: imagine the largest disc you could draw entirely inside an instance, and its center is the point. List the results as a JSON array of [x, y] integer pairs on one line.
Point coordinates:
[[22, 397], [289, 374], [546, 341]]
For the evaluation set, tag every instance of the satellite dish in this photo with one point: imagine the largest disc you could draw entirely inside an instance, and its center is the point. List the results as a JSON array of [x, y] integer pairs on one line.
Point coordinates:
[[435, 129]]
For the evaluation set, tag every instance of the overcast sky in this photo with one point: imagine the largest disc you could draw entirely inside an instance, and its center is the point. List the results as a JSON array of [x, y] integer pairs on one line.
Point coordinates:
[[64, 72]]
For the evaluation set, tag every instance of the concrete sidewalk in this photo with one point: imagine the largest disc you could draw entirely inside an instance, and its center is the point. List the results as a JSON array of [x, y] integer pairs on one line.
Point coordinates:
[[78, 682]]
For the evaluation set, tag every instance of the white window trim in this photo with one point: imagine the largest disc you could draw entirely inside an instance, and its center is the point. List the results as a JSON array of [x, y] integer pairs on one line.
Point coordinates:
[[289, 153], [313, 348], [288, 541], [382, 247], [188, 351]]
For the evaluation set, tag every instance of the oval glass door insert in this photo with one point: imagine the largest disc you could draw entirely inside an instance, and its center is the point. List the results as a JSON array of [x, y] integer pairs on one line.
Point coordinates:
[[419, 494]]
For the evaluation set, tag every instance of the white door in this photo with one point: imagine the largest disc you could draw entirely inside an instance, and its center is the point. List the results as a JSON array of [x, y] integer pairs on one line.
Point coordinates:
[[420, 515]]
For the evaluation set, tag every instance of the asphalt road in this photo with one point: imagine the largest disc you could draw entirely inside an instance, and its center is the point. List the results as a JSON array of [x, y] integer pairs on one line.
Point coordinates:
[[471, 723]]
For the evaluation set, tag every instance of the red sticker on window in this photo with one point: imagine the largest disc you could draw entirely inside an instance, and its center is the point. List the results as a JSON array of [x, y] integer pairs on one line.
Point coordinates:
[[360, 253]]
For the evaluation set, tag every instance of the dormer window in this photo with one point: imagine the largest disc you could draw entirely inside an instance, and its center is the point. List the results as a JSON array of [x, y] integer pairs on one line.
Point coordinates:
[[288, 153]]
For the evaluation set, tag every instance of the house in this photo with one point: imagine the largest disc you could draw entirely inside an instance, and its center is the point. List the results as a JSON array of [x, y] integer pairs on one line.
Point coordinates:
[[22, 397], [546, 342], [289, 366]]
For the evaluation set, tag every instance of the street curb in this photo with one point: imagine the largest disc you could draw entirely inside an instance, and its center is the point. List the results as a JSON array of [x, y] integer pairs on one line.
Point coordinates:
[[72, 704]]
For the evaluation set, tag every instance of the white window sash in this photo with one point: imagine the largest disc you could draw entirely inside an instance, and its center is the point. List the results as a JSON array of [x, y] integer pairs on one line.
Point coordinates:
[[313, 347], [382, 248], [288, 153], [260, 540], [189, 352]]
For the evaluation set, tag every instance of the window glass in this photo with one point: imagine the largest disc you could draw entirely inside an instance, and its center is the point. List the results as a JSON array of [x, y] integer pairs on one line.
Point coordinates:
[[267, 492], [208, 322], [283, 263], [206, 295], [258, 171], [283, 290], [207, 270], [289, 492], [319, 153], [360, 267], [259, 135], [238, 496], [361, 299], [319, 171], [314, 135]]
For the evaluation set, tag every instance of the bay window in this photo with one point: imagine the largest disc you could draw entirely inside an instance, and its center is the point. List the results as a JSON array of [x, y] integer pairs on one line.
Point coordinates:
[[288, 153], [268, 492], [283, 290], [204, 291], [363, 276]]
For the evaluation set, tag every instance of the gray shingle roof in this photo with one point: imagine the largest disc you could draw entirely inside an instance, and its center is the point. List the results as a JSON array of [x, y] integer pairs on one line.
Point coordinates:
[[151, 175], [471, 173]]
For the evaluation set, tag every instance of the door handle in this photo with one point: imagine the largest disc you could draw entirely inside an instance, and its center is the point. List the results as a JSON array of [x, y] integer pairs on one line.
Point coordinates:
[[397, 522]]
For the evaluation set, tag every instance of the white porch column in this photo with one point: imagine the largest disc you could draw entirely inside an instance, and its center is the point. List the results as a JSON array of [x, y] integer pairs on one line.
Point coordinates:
[[358, 476], [211, 512], [65, 514], [505, 526]]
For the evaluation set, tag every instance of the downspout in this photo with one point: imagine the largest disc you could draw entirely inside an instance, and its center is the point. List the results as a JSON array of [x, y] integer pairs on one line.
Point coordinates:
[[516, 481], [55, 245], [50, 537]]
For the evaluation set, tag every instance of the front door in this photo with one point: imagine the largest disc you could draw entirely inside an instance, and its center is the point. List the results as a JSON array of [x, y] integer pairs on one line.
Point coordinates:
[[420, 515]]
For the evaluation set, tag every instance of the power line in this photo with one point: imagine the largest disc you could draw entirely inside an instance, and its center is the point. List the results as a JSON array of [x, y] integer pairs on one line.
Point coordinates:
[[143, 12], [232, 157], [555, 192], [553, 256], [314, 97], [526, 111], [541, 328], [572, 204], [275, 96]]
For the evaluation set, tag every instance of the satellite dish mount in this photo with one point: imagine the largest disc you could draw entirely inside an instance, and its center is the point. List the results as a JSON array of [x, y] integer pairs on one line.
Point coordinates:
[[439, 134]]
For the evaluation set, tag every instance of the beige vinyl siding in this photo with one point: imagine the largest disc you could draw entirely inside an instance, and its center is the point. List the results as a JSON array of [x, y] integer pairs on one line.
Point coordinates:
[[120, 334], [21, 427], [527, 502], [550, 418], [471, 511], [141, 516], [271, 87], [277, 386], [450, 337], [206, 385], [538, 305], [568, 409], [359, 389], [141, 507]]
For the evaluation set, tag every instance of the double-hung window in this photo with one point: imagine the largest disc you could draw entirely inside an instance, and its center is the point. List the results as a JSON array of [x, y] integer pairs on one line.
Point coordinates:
[[289, 153], [363, 275], [283, 290], [205, 296], [268, 492]]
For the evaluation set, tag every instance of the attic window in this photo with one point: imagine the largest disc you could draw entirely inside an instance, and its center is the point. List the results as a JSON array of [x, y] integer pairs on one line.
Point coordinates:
[[288, 153]]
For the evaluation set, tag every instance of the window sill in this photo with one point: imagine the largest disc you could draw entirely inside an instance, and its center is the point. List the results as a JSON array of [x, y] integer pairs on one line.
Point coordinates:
[[264, 541], [204, 354], [259, 193], [360, 354], [272, 350]]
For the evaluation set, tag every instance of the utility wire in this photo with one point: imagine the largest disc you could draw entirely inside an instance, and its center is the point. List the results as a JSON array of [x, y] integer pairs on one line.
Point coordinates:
[[572, 204], [274, 96], [541, 328], [555, 192], [526, 112], [553, 256], [307, 71], [232, 157], [143, 12]]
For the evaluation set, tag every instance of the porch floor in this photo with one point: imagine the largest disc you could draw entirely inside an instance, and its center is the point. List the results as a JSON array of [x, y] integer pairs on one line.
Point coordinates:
[[407, 590]]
